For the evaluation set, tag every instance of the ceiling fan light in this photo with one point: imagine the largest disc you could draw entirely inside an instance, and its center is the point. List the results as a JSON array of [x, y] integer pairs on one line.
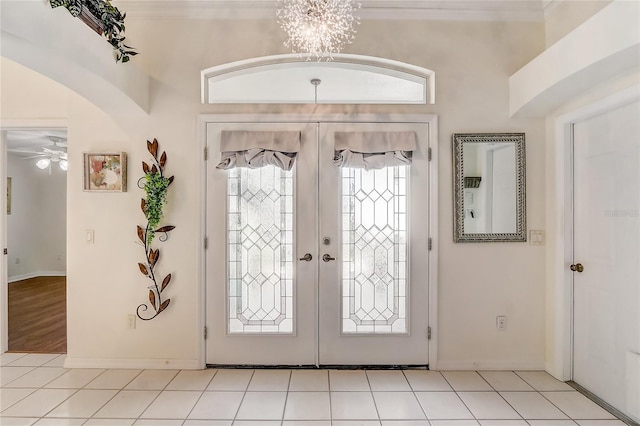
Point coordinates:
[[63, 165], [43, 163]]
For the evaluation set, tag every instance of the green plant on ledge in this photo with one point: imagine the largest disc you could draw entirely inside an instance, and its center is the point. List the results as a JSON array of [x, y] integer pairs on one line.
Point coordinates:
[[103, 18], [155, 187]]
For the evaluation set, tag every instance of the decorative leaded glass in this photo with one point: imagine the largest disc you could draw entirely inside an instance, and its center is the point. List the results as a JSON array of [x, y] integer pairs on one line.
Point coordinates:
[[374, 250], [260, 250]]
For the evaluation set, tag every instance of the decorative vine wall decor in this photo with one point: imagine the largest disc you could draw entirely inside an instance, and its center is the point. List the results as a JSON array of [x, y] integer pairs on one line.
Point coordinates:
[[155, 185]]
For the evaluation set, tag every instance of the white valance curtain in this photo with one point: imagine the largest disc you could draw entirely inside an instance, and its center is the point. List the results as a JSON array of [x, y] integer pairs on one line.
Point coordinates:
[[374, 150], [258, 149]]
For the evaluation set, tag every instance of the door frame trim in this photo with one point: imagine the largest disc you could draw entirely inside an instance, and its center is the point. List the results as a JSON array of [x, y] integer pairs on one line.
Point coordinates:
[[561, 314], [430, 119], [6, 125]]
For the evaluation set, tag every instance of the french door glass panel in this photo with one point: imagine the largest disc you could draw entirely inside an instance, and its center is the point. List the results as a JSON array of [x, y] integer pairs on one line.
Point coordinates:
[[374, 250], [260, 250]]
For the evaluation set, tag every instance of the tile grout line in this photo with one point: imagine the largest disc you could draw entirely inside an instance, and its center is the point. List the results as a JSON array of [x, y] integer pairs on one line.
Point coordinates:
[[16, 378], [286, 398], [156, 397], [43, 387], [201, 395], [413, 392], [114, 395], [500, 395], [461, 400], [246, 388], [559, 409], [372, 396], [329, 391], [33, 390], [545, 398]]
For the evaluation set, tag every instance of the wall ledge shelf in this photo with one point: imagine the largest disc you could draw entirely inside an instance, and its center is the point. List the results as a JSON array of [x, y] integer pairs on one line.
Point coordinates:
[[46, 40], [602, 48]]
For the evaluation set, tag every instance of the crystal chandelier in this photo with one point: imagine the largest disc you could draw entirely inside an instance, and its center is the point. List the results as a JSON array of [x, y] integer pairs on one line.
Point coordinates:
[[318, 28]]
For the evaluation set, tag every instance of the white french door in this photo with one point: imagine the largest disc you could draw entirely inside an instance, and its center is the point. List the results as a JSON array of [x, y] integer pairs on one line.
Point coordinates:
[[319, 265], [261, 303], [606, 278], [374, 296]]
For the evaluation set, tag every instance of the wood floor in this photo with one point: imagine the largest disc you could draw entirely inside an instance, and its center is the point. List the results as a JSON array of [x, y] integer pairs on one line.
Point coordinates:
[[38, 315]]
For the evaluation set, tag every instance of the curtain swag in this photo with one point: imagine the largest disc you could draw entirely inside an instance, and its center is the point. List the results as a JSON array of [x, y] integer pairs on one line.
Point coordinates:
[[258, 149], [374, 150]]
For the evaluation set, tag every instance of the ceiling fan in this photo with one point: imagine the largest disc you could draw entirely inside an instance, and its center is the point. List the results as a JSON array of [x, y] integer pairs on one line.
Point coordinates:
[[55, 153]]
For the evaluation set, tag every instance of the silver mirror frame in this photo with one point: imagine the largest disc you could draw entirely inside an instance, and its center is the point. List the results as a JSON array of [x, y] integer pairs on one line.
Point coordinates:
[[459, 236]]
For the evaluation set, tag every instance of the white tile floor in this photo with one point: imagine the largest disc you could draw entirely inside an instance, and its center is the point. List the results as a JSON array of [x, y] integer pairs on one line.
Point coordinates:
[[37, 390]]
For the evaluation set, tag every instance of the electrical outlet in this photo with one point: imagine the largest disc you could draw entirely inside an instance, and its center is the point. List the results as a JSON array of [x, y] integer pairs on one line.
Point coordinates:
[[131, 321], [501, 322]]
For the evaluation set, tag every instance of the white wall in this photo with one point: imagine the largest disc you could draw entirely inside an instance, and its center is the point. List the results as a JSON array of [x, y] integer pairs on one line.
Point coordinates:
[[472, 61], [563, 16], [36, 227], [28, 95]]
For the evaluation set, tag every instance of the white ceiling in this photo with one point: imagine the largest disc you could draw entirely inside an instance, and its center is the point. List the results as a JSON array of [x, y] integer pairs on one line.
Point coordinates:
[[473, 10], [24, 143]]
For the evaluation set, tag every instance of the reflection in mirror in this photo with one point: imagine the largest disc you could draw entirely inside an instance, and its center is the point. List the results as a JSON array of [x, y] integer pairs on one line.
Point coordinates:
[[489, 187]]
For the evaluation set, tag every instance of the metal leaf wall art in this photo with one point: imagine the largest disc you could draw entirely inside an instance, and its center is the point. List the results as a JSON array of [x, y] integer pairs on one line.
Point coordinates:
[[155, 185]]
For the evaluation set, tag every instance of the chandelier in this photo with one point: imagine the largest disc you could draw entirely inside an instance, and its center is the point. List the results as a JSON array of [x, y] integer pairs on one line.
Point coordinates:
[[318, 28]]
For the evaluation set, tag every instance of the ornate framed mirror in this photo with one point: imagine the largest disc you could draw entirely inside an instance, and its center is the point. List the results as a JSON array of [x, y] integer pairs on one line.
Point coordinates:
[[489, 187]]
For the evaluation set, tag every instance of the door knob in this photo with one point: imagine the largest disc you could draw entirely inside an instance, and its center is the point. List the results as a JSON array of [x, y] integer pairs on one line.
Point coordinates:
[[577, 267], [328, 258], [307, 257]]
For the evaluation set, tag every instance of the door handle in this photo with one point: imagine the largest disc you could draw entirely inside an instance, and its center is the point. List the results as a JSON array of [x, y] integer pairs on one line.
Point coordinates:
[[307, 257], [577, 267], [328, 258]]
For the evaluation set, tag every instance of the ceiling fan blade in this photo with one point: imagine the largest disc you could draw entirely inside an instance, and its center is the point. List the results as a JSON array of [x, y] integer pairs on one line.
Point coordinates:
[[35, 156], [21, 151], [54, 151]]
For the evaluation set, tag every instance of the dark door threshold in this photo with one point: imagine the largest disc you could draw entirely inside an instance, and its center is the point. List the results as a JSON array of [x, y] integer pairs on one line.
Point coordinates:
[[603, 404], [320, 367]]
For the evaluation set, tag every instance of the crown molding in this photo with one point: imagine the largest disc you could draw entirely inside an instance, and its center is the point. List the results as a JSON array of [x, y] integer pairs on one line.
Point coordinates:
[[443, 10]]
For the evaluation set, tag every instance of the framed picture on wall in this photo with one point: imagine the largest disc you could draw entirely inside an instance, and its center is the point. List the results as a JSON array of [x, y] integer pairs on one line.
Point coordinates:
[[105, 172]]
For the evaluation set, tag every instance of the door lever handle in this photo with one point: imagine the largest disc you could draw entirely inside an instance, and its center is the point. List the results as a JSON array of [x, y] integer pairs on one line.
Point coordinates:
[[307, 257], [578, 267], [328, 258]]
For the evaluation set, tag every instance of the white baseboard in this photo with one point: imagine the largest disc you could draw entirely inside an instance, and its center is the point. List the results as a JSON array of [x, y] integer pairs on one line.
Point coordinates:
[[491, 365], [36, 274], [138, 364]]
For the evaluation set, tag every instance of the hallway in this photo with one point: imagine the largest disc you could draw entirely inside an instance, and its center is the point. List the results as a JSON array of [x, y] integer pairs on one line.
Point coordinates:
[[38, 315]]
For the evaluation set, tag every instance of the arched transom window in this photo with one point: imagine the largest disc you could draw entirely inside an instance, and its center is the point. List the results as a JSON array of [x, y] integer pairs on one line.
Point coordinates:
[[348, 79]]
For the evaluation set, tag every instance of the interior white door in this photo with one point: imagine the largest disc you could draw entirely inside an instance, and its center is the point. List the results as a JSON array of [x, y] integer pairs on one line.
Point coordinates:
[[260, 298], [606, 355], [373, 297]]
